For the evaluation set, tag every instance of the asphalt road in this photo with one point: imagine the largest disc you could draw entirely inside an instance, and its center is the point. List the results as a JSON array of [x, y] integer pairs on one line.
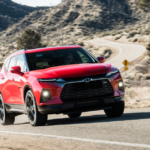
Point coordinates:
[[126, 51], [131, 131]]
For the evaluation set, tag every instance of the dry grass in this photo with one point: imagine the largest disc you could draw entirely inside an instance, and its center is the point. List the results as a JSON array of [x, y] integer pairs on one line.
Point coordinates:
[[137, 97]]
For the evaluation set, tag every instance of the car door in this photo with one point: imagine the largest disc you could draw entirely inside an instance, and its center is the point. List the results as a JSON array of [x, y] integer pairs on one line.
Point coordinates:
[[7, 89], [19, 82]]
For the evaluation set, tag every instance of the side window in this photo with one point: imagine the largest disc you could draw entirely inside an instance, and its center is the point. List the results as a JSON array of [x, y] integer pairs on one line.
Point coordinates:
[[12, 63], [21, 63], [6, 65]]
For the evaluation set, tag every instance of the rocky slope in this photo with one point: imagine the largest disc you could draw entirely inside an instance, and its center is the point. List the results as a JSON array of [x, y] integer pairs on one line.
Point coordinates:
[[11, 12], [74, 19], [136, 32], [77, 20]]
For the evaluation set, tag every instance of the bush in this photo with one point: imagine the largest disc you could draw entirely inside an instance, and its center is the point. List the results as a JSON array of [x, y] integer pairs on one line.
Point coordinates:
[[132, 34], [146, 32], [86, 34], [141, 68], [81, 44], [146, 76], [135, 40], [44, 45], [29, 40], [117, 38], [104, 34], [113, 33]]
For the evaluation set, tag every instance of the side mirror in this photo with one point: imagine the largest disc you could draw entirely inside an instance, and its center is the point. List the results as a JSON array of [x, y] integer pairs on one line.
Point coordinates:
[[16, 70], [101, 59]]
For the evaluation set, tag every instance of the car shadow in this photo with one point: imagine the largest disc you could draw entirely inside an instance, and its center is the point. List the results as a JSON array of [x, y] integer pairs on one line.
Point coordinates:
[[98, 119], [21, 123]]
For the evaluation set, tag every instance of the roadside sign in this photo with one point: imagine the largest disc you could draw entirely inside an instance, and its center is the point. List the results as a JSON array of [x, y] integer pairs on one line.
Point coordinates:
[[126, 63], [126, 68]]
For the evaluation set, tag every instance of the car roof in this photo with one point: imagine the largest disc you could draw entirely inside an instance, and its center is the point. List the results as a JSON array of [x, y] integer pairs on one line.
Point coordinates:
[[44, 49]]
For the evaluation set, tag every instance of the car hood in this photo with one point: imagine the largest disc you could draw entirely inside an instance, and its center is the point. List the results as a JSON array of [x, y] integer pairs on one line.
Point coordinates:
[[72, 71]]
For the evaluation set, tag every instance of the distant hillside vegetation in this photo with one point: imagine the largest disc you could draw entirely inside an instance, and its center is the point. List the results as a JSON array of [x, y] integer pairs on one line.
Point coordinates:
[[11, 12], [75, 20]]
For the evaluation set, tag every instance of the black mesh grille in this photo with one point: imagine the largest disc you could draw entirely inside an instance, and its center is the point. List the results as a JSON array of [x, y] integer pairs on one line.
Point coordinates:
[[81, 78], [82, 91]]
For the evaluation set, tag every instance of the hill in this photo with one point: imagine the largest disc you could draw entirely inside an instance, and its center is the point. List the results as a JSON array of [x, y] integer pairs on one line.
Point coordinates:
[[73, 21], [11, 12]]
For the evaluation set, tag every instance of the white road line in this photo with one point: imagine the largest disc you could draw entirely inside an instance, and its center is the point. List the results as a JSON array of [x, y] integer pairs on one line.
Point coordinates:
[[80, 139]]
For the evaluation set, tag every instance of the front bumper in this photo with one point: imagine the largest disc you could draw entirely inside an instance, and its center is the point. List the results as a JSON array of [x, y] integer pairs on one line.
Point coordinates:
[[82, 106]]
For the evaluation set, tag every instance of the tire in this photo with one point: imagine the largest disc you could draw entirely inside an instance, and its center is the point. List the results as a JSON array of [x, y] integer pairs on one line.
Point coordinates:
[[5, 119], [116, 111], [34, 116], [74, 115]]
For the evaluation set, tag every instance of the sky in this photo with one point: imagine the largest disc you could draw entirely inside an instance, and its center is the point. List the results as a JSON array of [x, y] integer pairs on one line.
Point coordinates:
[[35, 3]]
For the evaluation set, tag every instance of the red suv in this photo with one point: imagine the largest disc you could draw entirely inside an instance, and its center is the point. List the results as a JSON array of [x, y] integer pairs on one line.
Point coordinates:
[[56, 80]]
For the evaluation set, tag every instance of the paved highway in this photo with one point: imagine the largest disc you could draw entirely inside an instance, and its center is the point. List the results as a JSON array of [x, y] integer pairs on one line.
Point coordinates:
[[126, 51], [93, 130]]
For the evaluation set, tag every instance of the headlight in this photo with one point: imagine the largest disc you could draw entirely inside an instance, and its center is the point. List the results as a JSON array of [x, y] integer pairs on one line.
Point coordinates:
[[121, 86], [112, 72], [45, 96], [47, 80]]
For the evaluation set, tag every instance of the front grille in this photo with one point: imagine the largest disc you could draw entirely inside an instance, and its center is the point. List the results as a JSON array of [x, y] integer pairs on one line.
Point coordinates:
[[83, 77], [85, 91]]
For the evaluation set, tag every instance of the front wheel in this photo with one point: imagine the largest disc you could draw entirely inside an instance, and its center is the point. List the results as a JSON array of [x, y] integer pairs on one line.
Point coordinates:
[[5, 119], [74, 115], [116, 111], [34, 116]]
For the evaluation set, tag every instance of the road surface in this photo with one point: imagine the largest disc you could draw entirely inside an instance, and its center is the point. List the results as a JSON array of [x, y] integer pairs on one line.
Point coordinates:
[[93, 130], [126, 51]]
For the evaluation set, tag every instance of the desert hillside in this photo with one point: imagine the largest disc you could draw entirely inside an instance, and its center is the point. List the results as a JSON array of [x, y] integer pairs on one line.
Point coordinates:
[[78, 20], [11, 12], [74, 19]]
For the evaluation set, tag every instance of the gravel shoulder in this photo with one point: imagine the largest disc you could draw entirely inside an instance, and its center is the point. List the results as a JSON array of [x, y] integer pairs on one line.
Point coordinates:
[[15, 142]]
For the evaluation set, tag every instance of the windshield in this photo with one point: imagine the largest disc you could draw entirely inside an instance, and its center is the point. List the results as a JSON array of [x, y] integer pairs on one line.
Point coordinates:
[[47, 59]]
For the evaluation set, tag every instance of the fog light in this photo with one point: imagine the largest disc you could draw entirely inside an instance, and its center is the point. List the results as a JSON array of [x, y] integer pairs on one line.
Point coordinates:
[[45, 96], [121, 86]]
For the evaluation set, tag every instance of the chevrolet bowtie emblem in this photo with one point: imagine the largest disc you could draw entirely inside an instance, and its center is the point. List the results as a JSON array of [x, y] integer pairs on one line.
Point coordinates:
[[87, 80]]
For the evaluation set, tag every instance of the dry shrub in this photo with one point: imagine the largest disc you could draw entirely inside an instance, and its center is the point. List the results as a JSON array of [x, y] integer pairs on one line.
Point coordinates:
[[132, 34], [137, 97], [80, 43], [146, 76], [141, 68], [141, 83], [141, 40], [135, 40]]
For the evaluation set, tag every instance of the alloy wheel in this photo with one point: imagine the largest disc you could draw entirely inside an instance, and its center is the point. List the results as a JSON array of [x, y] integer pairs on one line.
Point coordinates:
[[2, 111], [31, 108]]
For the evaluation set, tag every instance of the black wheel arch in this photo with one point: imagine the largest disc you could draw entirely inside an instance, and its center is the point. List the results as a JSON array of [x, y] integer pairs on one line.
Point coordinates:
[[26, 89]]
